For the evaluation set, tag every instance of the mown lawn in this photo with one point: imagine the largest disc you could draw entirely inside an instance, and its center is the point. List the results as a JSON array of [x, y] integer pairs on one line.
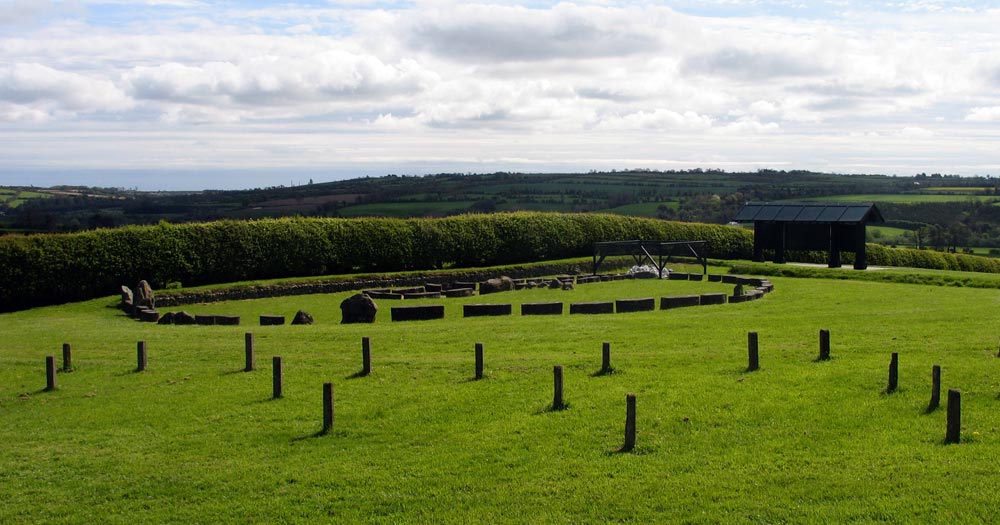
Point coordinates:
[[195, 440]]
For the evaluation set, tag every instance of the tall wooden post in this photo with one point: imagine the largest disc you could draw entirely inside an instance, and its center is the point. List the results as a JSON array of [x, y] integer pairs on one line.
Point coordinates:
[[250, 362], [366, 356], [557, 396], [606, 358], [327, 407], [893, 373], [67, 357], [935, 388], [954, 434], [629, 445], [50, 373], [753, 356], [479, 360], [277, 378], [824, 345], [140, 351]]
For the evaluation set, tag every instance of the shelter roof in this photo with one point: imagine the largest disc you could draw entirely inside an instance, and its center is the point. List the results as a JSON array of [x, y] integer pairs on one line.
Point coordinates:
[[810, 212]]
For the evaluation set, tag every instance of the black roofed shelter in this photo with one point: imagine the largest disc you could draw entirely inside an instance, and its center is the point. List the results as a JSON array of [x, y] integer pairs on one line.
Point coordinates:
[[833, 227]]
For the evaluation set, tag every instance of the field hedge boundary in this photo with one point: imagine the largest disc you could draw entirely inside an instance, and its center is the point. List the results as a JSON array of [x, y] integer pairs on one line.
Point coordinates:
[[48, 269]]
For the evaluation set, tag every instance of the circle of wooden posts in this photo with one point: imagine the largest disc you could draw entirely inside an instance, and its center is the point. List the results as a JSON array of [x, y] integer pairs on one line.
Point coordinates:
[[250, 362], [327, 408], [954, 431], [277, 378], [629, 445]]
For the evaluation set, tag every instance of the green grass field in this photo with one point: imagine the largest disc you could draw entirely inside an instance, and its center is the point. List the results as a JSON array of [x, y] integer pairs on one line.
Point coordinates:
[[195, 440], [405, 209]]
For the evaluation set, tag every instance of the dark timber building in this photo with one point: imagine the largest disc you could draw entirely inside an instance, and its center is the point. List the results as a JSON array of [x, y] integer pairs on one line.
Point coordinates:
[[831, 227]]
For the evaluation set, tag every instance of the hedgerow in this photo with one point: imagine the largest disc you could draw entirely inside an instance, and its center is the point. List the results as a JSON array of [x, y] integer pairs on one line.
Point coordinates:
[[49, 269]]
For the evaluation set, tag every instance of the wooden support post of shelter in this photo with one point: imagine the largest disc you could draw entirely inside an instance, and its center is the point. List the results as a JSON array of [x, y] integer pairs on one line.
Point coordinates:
[[656, 253], [830, 227]]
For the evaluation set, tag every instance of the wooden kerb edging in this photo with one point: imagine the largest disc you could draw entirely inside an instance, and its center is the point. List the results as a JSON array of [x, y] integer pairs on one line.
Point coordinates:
[[602, 307], [647, 304], [480, 310], [417, 313], [541, 309]]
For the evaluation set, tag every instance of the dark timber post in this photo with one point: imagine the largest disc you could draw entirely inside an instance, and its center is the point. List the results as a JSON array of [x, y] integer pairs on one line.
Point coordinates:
[[629, 445], [606, 358], [954, 434], [50, 373], [557, 397], [366, 356], [893, 373], [248, 344], [935, 388], [277, 377], [327, 408], [824, 345], [67, 358], [479, 360], [140, 351], [753, 357]]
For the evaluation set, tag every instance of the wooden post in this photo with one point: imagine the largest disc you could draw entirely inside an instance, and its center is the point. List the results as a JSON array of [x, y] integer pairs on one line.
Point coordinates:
[[50, 373], [277, 378], [140, 351], [954, 434], [824, 345], [366, 356], [67, 358], [893, 373], [248, 346], [935, 388], [479, 360], [753, 357], [327, 408], [606, 358], [557, 397], [629, 445]]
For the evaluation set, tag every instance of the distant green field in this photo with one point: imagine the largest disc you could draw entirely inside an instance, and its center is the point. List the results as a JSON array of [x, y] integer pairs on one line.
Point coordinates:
[[960, 189], [405, 209], [644, 209], [908, 198]]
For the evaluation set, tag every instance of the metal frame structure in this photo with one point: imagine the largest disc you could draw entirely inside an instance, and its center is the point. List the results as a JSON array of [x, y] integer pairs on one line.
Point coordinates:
[[642, 251]]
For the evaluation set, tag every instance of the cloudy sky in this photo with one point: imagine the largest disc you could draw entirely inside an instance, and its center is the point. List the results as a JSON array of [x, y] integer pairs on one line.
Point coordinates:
[[195, 94]]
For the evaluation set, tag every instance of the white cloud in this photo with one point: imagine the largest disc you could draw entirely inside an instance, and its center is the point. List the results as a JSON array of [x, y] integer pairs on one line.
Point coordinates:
[[984, 114], [915, 132], [40, 89]]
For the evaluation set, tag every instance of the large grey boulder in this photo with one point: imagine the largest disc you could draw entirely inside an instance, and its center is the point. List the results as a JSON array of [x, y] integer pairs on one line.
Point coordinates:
[[358, 308], [501, 284]]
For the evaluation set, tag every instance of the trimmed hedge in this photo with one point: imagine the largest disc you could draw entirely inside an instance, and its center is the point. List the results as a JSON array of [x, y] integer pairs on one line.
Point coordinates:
[[49, 269]]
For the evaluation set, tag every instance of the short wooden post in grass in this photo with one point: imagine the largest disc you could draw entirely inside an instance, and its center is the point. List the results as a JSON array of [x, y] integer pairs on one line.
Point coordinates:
[[935, 388], [67, 358], [557, 396], [327, 408], [824, 345], [50, 373], [366, 356], [479, 360], [277, 378], [629, 445], [250, 363], [753, 357], [605, 358], [954, 434], [140, 351], [893, 373]]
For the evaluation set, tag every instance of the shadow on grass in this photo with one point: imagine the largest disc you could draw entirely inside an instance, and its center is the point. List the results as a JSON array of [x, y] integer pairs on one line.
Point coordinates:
[[637, 451], [605, 372], [551, 408], [319, 434], [359, 374], [234, 372]]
